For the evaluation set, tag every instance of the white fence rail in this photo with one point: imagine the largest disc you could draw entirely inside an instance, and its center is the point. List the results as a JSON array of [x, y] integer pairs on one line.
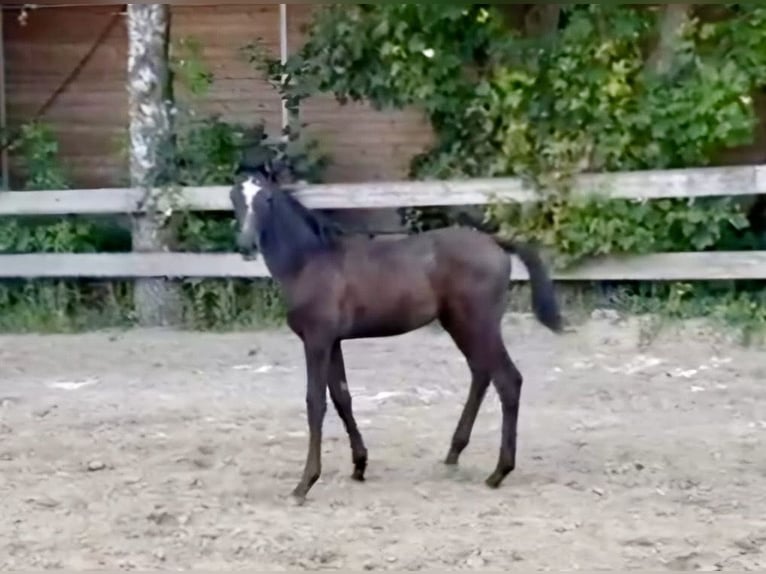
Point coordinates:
[[698, 182], [685, 183], [655, 267]]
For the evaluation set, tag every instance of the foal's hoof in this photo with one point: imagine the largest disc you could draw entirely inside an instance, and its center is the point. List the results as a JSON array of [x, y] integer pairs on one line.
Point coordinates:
[[360, 466], [297, 497], [358, 475], [451, 459], [494, 481], [296, 500], [496, 478]]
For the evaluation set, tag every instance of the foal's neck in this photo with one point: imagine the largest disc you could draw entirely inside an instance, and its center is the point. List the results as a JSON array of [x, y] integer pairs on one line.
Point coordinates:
[[287, 247]]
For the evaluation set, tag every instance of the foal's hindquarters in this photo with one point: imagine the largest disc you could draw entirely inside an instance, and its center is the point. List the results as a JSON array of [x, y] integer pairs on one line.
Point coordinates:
[[471, 312]]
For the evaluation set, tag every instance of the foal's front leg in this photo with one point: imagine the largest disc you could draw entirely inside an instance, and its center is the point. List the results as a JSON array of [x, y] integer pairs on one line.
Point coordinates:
[[341, 398], [317, 371]]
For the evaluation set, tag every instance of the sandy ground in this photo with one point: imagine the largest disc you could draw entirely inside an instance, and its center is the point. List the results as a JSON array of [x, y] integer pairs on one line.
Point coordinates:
[[164, 450]]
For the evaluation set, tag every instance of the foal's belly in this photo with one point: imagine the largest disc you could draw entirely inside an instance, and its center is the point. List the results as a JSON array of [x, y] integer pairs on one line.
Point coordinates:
[[389, 305]]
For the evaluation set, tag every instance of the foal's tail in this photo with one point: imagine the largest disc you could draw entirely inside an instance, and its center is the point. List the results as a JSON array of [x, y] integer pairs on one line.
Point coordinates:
[[544, 304]]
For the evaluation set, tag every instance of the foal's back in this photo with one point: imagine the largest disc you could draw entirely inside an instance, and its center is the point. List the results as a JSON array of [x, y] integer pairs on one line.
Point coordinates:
[[388, 287]]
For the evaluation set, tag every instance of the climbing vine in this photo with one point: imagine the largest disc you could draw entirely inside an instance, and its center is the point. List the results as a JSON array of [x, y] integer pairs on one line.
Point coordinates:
[[595, 89], [546, 107], [580, 227]]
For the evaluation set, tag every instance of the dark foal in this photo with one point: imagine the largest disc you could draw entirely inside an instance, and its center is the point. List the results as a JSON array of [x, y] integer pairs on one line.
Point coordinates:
[[341, 287]]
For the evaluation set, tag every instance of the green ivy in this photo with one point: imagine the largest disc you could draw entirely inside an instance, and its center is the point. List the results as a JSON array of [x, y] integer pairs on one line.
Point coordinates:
[[38, 148], [578, 227], [547, 108]]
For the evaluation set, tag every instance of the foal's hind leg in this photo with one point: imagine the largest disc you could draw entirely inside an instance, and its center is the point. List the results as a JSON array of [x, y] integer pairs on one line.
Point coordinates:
[[507, 380], [479, 383], [468, 338], [341, 398]]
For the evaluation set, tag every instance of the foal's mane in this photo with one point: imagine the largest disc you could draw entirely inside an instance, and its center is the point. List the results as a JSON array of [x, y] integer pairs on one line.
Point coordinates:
[[327, 230], [287, 209]]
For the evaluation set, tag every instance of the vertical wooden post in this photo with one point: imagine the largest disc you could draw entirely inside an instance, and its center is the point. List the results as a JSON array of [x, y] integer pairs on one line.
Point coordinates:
[[283, 53], [157, 301], [290, 115], [3, 108]]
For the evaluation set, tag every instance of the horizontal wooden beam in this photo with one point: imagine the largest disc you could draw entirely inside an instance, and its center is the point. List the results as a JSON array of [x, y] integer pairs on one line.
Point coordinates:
[[129, 265], [693, 266], [657, 267], [696, 182]]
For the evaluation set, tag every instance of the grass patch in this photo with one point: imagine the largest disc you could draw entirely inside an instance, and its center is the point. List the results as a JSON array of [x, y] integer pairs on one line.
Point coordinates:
[[75, 306]]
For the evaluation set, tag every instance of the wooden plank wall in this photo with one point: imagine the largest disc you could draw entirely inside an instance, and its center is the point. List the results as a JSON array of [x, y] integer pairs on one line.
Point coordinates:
[[90, 118], [238, 94]]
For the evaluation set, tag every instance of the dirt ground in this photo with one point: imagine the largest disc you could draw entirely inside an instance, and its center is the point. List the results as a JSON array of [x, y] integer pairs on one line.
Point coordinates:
[[166, 450]]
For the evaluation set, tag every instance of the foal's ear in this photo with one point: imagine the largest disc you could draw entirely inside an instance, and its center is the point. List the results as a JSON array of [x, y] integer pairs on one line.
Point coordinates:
[[260, 174], [247, 169], [262, 179], [279, 170]]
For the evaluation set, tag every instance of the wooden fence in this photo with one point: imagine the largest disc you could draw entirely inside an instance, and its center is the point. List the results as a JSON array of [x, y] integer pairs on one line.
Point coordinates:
[[685, 183]]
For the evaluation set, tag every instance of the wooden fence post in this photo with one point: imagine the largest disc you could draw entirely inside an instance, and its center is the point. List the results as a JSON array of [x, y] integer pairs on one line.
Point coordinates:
[[157, 301]]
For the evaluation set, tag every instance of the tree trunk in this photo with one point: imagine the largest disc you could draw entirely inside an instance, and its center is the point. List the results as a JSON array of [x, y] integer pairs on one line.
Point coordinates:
[[534, 20], [542, 19], [674, 16], [157, 301]]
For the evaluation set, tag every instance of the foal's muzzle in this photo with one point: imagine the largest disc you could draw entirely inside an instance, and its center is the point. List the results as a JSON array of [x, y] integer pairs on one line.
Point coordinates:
[[245, 246]]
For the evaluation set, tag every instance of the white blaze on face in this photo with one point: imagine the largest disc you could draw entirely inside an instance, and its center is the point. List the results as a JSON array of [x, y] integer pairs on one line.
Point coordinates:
[[249, 191]]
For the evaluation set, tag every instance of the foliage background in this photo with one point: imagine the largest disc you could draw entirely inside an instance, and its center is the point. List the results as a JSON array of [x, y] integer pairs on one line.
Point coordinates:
[[541, 92]]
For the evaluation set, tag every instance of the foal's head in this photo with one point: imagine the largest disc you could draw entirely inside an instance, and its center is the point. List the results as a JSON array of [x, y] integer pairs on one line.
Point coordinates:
[[275, 223], [251, 200]]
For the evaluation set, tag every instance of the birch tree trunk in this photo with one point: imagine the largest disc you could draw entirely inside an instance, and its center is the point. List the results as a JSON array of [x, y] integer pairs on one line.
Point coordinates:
[[673, 18], [533, 20], [157, 301]]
